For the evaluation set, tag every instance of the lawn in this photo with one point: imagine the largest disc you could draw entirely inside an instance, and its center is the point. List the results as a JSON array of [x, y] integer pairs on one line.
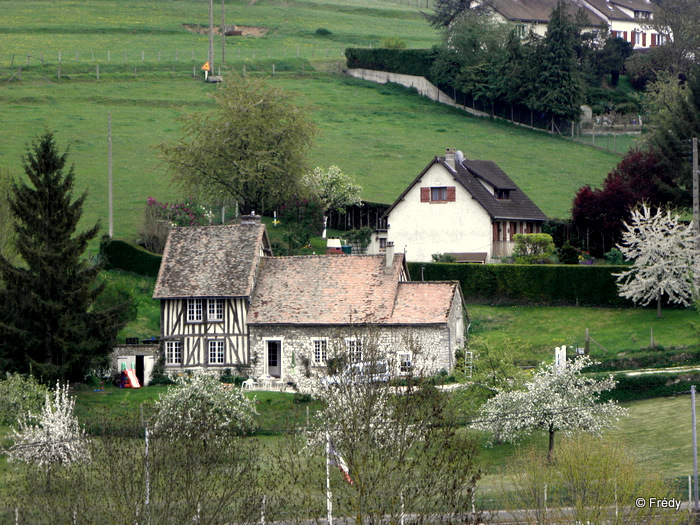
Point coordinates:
[[539, 329], [382, 135]]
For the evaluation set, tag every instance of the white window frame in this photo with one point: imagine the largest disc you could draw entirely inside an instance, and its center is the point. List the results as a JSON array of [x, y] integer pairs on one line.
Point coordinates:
[[353, 345], [173, 352], [216, 349], [194, 310], [401, 359], [215, 310], [440, 191], [320, 352]]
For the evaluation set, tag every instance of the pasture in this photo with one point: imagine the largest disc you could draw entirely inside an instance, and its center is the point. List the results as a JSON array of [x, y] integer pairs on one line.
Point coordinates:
[[383, 135]]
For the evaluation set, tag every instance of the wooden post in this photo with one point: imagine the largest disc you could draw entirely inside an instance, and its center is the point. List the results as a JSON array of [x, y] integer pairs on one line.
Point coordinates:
[[109, 171], [59, 73], [223, 33], [12, 62], [109, 57], [211, 36], [143, 56], [98, 71]]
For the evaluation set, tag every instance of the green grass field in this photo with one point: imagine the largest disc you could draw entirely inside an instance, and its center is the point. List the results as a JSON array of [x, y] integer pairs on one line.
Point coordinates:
[[382, 135], [540, 329]]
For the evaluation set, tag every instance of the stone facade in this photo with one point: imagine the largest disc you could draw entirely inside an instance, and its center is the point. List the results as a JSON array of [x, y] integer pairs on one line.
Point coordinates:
[[431, 347]]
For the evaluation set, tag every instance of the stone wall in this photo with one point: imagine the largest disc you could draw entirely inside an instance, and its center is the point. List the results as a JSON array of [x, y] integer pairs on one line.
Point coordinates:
[[429, 345]]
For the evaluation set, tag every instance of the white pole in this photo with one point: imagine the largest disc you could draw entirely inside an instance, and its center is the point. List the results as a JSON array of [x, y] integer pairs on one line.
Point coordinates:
[[329, 501], [148, 483], [109, 140], [695, 450]]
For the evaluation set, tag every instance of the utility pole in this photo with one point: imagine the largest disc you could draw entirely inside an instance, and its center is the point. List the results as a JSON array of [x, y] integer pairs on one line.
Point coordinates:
[[109, 171], [696, 193], [223, 33], [211, 36], [695, 450]]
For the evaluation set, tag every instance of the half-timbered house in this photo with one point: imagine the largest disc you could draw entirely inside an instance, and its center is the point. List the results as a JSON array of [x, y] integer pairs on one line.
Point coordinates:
[[226, 303], [204, 285]]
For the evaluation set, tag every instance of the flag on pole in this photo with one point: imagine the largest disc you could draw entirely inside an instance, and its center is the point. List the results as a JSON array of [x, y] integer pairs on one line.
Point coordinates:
[[339, 462], [206, 66]]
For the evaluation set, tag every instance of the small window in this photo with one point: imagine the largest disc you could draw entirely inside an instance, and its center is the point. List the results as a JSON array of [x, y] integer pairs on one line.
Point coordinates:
[[438, 194], [173, 352], [382, 244], [215, 310], [194, 310], [216, 352], [320, 352], [405, 362], [354, 347]]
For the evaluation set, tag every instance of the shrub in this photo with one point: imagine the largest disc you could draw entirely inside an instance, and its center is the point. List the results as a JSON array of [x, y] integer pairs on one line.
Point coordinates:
[[19, 395], [322, 31], [405, 61], [394, 43], [129, 257]]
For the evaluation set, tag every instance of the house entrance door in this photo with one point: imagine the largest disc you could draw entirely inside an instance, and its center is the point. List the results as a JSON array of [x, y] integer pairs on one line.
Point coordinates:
[[274, 358]]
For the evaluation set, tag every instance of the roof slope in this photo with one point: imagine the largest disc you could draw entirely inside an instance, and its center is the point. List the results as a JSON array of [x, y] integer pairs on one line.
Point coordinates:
[[210, 261], [426, 302], [329, 290], [517, 206], [534, 10]]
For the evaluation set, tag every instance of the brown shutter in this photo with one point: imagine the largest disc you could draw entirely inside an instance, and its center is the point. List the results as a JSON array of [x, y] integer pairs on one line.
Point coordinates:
[[624, 33], [451, 193], [653, 40], [425, 194], [644, 40], [495, 232], [513, 229]]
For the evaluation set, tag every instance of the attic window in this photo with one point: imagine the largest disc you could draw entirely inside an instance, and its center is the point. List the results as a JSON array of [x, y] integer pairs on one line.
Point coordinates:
[[438, 194], [194, 310], [503, 195]]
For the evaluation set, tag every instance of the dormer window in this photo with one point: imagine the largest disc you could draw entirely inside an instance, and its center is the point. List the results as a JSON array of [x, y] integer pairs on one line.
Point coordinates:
[[503, 195]]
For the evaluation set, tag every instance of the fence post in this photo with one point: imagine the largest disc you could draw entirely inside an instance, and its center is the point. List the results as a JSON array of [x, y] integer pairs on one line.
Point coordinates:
[[98, 71], [41, 55], [143, 55], [273, 69], [58, 73], [93, 56], [109, 58], [76, 56], [125, 59]]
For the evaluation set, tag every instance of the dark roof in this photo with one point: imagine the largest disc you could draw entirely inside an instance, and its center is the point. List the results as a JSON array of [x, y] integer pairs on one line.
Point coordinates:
[[468, 172], [534, 10], [613, 12], [211, 261]]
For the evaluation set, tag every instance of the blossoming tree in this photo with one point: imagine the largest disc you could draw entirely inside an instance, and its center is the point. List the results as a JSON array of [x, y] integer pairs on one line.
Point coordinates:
[[665, 258], [555, 400]]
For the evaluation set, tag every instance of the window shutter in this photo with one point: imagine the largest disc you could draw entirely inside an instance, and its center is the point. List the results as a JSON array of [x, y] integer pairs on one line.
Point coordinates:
[[495, 232], [425, 194], [644, 40], [653, 40], [625, 35], [451, 193]]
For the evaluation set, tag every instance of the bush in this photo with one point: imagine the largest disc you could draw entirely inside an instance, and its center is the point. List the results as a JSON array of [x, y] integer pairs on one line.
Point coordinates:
[[529, 284], [129, 257], [648, 386], [19, 395], [405, 61], [322, 31]]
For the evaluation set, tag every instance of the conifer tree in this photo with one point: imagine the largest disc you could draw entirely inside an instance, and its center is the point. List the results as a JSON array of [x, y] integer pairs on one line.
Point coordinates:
[[47, 320]]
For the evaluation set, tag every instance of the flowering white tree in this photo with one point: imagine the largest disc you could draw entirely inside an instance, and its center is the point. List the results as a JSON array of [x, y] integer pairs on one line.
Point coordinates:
[[53, 437], [197, 407], [555, 400], [665, 258], [334, 189]]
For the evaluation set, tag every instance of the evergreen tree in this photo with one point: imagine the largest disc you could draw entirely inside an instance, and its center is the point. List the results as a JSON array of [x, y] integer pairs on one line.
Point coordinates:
[[560, 90], [47, 320]]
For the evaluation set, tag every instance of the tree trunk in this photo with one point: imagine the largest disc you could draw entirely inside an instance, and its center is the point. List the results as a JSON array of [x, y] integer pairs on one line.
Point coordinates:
[[550, 452], [658, 305]]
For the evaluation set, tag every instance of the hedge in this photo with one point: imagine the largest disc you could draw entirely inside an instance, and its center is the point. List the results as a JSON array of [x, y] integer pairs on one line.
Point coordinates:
[[404, 61], [537, 284], [130, 257], [648, 386]]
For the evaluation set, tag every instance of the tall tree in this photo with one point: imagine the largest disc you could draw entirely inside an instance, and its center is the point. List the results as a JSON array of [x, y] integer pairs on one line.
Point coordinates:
[[251, 149], [678, 21], [665, 258], [560, 90], [675, 115], [47, 319]]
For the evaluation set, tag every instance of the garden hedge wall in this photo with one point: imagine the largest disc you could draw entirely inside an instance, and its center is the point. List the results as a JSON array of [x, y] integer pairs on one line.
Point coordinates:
[[649, 386], [130, 257], [537, 284], [404, 61]]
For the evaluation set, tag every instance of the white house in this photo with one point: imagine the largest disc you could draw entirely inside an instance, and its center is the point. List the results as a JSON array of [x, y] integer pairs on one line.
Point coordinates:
[[468, 208], [626, 19], [226, 303]]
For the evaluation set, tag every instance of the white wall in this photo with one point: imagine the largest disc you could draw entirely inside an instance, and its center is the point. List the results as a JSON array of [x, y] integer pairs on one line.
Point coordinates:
[[425, 228]]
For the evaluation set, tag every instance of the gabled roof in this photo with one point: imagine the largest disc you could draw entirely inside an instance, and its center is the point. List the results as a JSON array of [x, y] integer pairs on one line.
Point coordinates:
[[325, 289], [211, 261], [611, 9], [468, 172]]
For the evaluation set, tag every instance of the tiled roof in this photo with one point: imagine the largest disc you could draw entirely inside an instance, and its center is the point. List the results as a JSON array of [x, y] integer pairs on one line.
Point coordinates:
[[210, 261], [337, 290], [424, 302], [613, 12], [534, 10], [518, 206]]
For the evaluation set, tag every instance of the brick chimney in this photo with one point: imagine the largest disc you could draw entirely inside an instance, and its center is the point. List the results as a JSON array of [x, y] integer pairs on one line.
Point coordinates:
[[450, 157]]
